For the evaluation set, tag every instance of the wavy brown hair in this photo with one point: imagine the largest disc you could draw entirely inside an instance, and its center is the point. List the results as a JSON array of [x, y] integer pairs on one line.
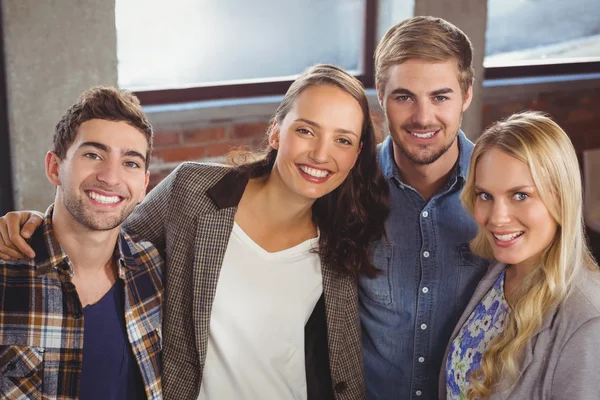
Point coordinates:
[[352, 216]]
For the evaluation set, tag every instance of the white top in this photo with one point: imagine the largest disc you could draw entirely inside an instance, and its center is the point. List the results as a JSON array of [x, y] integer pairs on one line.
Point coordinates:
[[256, 336]]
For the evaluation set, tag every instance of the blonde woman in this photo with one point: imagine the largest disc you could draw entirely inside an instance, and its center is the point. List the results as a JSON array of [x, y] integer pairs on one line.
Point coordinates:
[[532, 328]]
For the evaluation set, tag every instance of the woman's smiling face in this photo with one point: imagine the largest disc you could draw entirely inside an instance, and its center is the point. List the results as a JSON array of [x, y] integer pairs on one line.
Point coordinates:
[[510, 211]]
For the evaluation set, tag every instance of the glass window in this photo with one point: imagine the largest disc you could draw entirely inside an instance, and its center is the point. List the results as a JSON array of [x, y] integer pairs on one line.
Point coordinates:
[[390, 12], [541, 31], [193, 42]]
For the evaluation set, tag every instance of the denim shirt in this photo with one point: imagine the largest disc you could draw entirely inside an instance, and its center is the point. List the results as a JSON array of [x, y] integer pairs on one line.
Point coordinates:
[[428, 275]]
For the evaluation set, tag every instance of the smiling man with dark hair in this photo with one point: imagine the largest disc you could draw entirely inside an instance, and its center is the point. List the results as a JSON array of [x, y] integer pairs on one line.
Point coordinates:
[[82, 319]]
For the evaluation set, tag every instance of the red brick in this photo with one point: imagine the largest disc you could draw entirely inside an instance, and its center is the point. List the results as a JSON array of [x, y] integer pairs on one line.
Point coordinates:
[[508, 108], [156, 177], [181, 153], [592, 98], [248, 130], [218, 149], [592, 138], [165, 139], [581, 115], [204, 135]]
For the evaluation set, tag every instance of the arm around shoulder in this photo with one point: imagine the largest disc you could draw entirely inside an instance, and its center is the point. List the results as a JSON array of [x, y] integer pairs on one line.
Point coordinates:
[[576, 375]]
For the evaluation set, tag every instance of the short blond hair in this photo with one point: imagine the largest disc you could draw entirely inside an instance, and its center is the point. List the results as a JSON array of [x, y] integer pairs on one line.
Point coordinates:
[[426, 38]]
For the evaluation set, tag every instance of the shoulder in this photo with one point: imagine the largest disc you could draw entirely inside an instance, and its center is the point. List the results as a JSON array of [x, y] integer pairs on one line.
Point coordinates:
[[192, 179], [578, 314], [200, 173], [583, 303]]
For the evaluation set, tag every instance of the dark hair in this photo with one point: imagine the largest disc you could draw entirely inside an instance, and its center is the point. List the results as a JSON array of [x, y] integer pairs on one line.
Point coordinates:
[[352, 216], [105, 103], [426, 38]]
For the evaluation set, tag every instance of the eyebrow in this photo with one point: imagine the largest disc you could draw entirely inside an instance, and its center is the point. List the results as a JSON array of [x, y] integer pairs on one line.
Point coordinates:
[[513, 189], [438, 92], [105, 148], [316, 125]]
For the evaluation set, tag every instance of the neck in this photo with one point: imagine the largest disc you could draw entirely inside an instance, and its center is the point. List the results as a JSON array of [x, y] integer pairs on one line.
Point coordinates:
[[427, 179], [90, 252], [276, 205], [514, 275]]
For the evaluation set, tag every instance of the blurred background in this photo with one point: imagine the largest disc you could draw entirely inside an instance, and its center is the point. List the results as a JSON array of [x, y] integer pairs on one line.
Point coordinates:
[[211, 73]]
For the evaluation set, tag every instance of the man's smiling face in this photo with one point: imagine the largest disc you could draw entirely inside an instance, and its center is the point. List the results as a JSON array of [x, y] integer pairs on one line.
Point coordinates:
[[424, 104]]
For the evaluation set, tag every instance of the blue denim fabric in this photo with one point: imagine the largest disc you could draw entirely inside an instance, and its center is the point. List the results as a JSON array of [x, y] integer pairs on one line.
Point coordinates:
[[429, 274]]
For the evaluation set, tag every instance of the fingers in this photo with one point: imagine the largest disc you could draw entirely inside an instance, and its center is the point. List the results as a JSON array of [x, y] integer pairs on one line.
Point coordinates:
[[8, 251], [17, 235], [32, 222]]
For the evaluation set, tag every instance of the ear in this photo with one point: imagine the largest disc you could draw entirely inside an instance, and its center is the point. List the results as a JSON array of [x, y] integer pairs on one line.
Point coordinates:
[[274, 136], [468, 98], [52, 168], [143, 193], [380, 96]]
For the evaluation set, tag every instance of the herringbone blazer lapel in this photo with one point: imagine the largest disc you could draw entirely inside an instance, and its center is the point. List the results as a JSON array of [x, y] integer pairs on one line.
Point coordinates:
[[212, 236]]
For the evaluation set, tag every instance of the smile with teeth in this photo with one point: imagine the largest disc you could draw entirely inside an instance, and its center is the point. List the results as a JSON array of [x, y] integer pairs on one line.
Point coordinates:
[[508, 236], [425, 135], [103, 199], [317, 173]]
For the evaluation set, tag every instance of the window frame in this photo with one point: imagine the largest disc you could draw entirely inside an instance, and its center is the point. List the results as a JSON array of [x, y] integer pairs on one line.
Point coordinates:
[[266, 87], [278, 86]]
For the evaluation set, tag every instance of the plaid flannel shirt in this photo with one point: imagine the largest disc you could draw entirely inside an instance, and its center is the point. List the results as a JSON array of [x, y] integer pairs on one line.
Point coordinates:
[[41, 318]]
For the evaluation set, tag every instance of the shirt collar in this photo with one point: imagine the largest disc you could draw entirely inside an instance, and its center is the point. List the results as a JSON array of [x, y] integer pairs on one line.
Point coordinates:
[[49, 254], [460, 169]]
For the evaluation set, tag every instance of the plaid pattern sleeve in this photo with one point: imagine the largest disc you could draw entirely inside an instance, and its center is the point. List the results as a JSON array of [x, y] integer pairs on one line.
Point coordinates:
[[41, 318]]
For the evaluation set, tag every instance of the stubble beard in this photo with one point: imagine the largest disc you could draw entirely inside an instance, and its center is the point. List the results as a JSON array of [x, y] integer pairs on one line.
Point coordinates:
[[77, 209]]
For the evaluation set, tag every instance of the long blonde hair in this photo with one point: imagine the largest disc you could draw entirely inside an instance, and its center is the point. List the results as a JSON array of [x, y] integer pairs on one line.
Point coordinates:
[[536, 140]]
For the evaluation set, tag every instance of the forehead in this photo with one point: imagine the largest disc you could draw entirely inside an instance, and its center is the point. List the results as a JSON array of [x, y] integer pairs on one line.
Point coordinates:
[[418, 75], [496, 170], [328, 106], [114, 134]]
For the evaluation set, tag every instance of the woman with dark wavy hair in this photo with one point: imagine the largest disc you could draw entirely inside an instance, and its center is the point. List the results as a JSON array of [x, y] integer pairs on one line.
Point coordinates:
[[263, 256]]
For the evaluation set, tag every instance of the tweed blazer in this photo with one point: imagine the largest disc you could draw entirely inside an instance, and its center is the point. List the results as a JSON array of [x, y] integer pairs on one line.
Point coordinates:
[[561, 362], [190, 216]]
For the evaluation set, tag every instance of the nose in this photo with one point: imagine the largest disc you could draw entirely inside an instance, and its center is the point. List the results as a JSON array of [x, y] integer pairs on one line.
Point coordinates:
[[423, 114], [500, 213], [109, 172], [319, 152]]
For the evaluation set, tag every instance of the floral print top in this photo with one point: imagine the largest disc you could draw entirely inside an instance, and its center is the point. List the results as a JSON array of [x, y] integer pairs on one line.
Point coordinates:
[[484, 324]]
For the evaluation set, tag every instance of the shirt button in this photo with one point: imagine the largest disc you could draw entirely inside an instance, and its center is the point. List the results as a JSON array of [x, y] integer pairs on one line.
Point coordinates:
[[423, 326], [425, 214], [425, 290], [421, 359], [340, 387], [426, 254], [418, 393]]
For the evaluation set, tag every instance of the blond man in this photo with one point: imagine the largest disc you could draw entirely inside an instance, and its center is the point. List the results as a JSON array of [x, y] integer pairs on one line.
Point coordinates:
[[424, 79]]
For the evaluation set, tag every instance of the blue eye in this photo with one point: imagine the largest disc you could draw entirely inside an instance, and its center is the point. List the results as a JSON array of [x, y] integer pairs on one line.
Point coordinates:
[[92, 156], [131, 164], [520, 196], [484, 196]]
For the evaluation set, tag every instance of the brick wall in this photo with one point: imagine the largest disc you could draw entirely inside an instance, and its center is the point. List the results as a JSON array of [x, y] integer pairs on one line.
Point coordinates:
[[577, 112], [211, 142]]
